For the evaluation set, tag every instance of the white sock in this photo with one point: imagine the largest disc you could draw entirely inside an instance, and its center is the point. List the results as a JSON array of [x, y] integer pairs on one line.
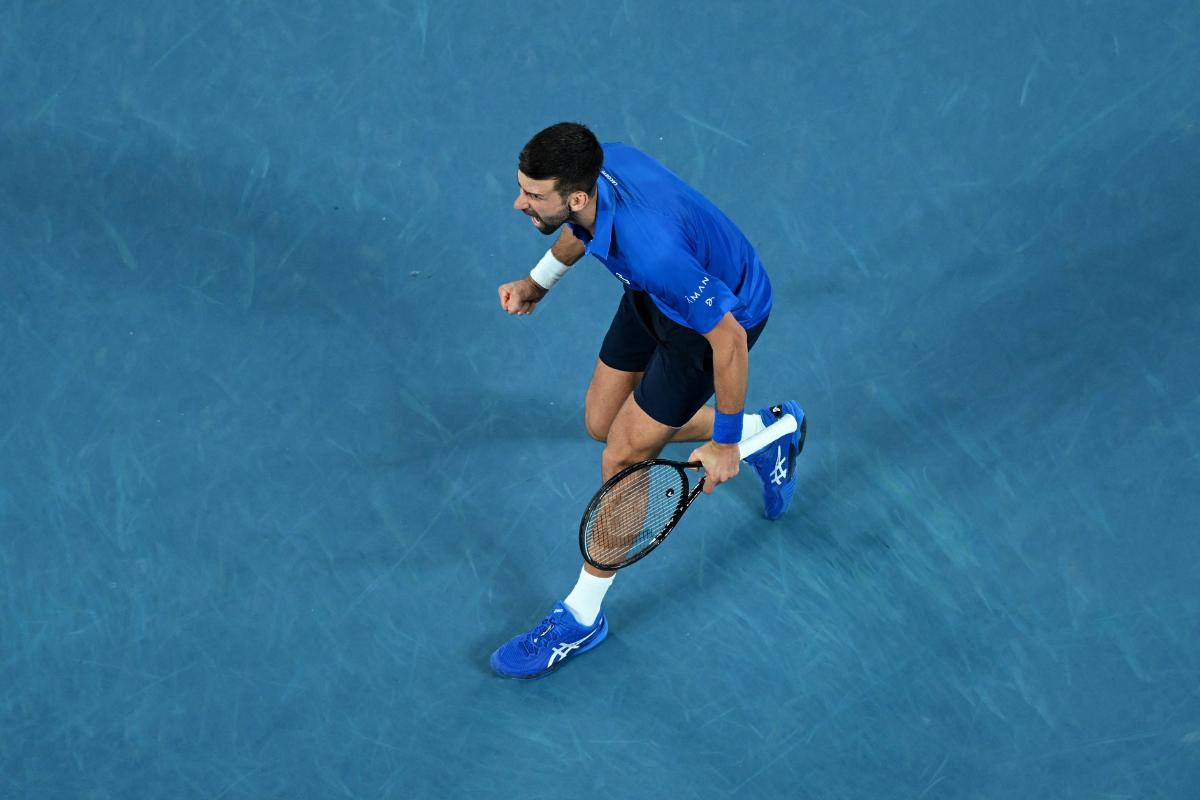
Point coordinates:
[[584, 600], [751, 424]]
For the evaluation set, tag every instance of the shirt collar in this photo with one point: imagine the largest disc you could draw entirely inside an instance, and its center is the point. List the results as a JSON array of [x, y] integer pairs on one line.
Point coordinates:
[[601, 239]]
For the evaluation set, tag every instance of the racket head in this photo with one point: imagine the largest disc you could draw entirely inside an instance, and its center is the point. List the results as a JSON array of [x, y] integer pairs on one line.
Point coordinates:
[[633, 512]]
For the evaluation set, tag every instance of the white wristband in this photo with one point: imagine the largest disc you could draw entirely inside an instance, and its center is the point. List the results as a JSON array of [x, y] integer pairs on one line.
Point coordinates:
[[548, 270]]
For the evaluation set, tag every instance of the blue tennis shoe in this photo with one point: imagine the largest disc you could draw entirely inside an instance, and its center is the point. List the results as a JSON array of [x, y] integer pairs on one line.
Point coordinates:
[[543, 649], [776, 463]]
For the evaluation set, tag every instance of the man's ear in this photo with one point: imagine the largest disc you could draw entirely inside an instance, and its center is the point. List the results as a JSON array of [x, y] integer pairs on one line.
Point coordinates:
[[577, 201]]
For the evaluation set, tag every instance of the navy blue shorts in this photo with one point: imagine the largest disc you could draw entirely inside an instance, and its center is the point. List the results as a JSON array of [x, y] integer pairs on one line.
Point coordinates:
[[676, 360]]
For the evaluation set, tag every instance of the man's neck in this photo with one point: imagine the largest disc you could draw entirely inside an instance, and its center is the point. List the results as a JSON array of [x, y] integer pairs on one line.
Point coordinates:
[[586, 217]]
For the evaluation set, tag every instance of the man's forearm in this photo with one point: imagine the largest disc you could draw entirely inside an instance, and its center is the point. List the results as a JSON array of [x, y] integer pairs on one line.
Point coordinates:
[[556, 262], [731, 363], [731, 359], [567, 248]]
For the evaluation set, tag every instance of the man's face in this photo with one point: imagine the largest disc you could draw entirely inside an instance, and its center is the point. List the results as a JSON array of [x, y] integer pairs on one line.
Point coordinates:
[[539, 201]]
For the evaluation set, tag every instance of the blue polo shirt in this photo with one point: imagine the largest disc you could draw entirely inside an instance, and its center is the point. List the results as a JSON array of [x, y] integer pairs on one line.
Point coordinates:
[[662, 237]]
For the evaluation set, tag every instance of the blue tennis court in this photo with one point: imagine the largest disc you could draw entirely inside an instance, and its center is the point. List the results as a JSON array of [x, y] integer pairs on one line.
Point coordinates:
[[278, 474]]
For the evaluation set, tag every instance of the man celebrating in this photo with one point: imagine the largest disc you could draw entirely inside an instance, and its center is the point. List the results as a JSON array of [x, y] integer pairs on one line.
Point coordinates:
[[696, 300]]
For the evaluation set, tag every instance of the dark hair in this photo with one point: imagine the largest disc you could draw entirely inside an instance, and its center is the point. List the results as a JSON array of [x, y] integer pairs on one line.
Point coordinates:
[[568, 152]]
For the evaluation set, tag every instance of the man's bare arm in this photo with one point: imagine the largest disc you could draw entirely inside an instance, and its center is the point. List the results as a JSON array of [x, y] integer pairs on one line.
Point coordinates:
[[568, 249], [521, 296], [731, 365]]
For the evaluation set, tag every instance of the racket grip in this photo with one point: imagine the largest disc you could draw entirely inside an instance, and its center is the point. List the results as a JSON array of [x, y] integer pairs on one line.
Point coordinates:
[[781, 427]]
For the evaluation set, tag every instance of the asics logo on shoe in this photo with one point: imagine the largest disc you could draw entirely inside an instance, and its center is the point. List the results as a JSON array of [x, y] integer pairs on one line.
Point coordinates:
[[780, 471], [563, 650]]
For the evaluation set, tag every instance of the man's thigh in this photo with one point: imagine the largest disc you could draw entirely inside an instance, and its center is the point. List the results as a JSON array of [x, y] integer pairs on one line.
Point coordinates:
[[624, 354], [607, 392], [679, 378], [634, 436]]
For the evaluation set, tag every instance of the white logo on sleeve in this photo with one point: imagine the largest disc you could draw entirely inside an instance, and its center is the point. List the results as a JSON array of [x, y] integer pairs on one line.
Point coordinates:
[[622, 277], [694, 296]]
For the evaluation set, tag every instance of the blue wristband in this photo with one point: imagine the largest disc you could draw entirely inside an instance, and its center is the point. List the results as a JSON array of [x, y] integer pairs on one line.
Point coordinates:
[[727, 428]]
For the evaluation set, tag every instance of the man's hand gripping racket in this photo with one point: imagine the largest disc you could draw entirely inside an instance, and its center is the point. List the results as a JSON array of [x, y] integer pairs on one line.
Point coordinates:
[[635, 509]]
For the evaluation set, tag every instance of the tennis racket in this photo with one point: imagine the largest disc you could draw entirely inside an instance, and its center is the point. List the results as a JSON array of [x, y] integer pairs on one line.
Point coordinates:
[[635, 509]]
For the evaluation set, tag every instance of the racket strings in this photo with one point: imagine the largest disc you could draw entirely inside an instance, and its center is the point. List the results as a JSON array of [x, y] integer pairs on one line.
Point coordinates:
[[633, 512]]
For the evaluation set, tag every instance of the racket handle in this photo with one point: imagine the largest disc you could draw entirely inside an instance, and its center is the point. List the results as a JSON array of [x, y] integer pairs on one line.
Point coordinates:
[[781, 427]]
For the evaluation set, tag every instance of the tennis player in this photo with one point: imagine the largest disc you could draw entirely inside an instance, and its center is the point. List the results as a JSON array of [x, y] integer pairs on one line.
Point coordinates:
[[696, 300]]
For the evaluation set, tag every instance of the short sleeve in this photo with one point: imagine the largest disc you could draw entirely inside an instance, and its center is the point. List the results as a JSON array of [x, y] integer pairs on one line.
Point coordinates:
[[676, 280]]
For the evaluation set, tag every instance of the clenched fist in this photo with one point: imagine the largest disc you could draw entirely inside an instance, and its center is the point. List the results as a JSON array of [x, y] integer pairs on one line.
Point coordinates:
[[520, 297]]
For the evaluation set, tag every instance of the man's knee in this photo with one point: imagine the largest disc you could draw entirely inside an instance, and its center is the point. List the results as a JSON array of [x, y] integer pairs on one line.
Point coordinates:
[[622, 450], [595, 421], [616, 458], [596, 428]]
